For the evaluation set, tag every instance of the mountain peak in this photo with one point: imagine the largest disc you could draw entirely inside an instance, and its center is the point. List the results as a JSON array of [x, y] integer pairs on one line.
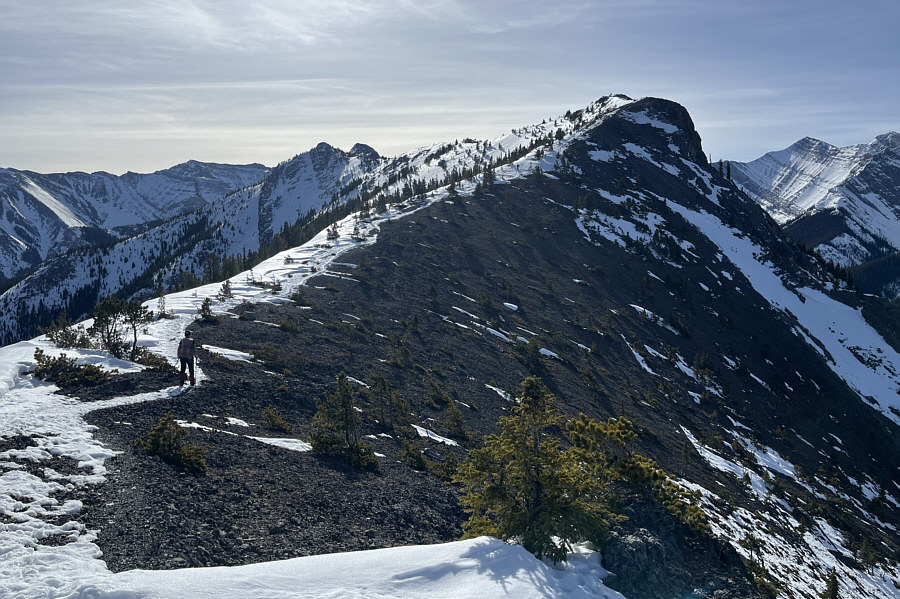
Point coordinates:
[[840, 201], [323, 146], [891, 139], [669, 118], [364, 151], [807, 145]]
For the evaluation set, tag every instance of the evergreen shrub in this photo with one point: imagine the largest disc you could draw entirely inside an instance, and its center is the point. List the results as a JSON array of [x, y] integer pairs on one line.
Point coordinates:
[[272, 419], [166, 440], [63, 371]]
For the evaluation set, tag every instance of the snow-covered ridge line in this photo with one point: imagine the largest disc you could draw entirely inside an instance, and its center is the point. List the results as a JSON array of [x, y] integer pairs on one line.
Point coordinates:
[[802, 176], [840, 202]]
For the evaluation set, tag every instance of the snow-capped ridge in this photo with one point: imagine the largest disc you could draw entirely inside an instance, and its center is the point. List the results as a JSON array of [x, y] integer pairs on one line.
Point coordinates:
[[841, 201]]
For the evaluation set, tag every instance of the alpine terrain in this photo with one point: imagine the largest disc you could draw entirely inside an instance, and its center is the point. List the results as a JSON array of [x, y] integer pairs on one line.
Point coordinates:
[[45, 215], [199, 219], [843, 203], [372, 329]]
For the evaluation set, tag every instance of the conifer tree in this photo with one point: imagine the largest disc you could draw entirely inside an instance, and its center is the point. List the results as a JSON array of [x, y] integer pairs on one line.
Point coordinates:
[[108, 316], [391, 410], [522, 486], [135, 316], [488, 178], [161, 304], [455, 424], [337, 427], [867, 556], [205, 311], [831, 586]]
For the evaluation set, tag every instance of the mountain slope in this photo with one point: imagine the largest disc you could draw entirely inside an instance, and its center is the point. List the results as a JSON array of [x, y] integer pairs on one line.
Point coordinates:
[[189, 241], [842, 202]]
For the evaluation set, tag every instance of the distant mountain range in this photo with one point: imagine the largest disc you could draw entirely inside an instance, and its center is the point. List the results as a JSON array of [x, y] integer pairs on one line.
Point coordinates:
[[46, 215], [97, 235], [843, 203]]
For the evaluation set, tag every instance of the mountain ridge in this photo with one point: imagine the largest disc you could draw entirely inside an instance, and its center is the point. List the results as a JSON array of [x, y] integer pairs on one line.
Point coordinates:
[[302, 190]]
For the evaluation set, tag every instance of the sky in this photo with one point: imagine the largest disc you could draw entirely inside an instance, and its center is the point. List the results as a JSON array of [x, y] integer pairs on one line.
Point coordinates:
[[136, 85]]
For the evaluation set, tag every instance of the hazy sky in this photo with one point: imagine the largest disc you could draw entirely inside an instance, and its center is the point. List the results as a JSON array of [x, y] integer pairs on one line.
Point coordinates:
[[122, 85]]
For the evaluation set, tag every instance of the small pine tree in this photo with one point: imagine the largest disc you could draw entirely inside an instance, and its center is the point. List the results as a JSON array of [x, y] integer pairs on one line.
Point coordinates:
[[108, 316], [205, 311], [337, 424], [445, 469], [412, 456], [754, 546], [832, 588], [161, 306], [387, 405], [522, 485], [455, 424], [225, 291], [64, 334], [532, 358], [488, 178], [63, 371], [437, 397], [867, 556], [135, 316], [272, 419]]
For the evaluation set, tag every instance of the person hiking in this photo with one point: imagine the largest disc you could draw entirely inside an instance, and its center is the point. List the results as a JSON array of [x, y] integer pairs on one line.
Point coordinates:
[[186, 356]]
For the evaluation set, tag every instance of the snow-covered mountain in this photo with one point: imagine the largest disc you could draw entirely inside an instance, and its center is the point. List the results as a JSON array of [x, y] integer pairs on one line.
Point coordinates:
[[842, 202], [44, 215], [645, 282]]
